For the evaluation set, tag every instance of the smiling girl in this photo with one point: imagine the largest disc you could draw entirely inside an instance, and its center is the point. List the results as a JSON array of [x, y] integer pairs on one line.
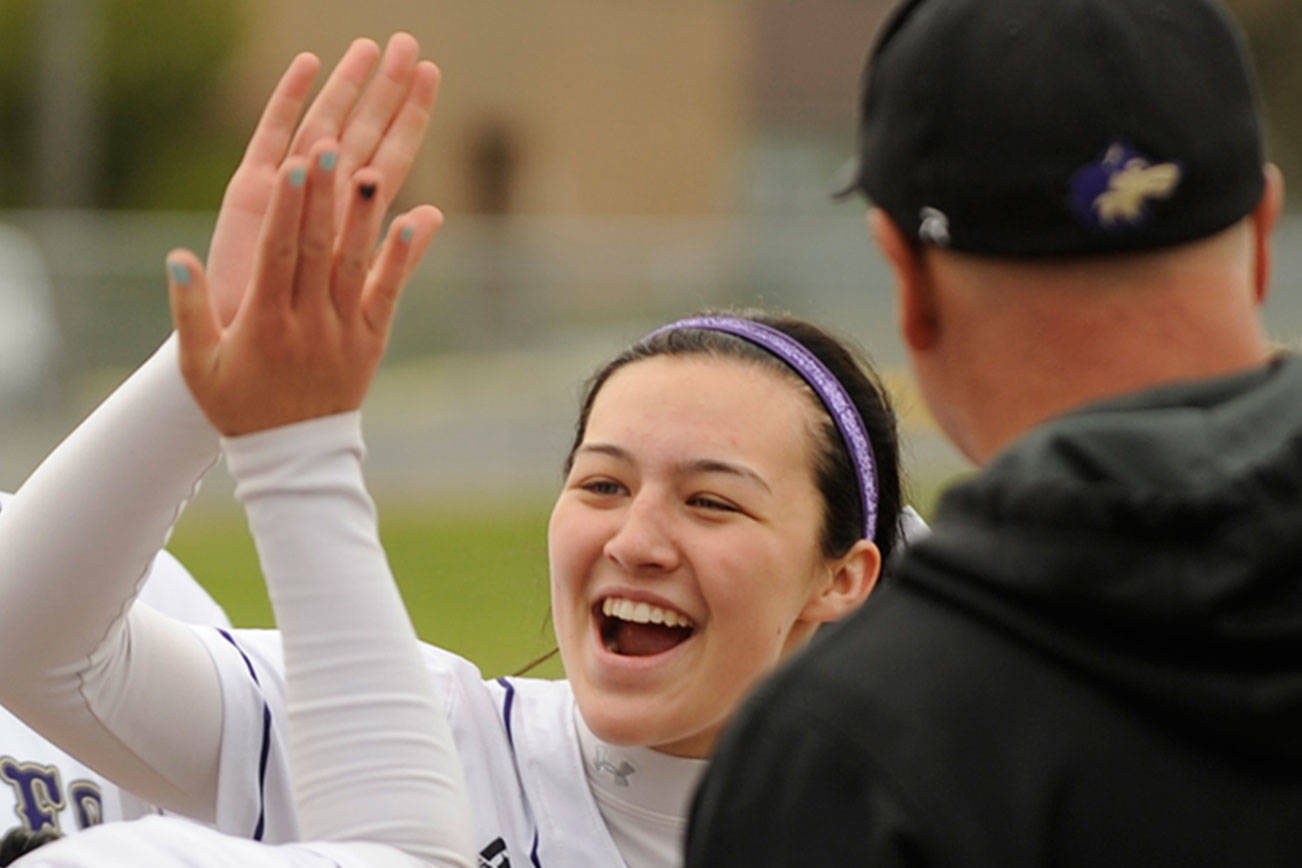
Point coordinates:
[[732, 487]]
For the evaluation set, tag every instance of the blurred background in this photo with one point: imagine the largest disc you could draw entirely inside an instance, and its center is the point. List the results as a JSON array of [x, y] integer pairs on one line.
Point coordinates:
[[604, 167]]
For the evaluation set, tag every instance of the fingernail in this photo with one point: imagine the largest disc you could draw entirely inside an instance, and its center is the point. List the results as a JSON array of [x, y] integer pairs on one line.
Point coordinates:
[[408, 233], [180, 274], [297, 177], [367, 191], [328, 160]]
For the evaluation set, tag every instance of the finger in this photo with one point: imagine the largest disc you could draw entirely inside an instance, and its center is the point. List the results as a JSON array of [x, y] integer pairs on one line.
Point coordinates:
[[379, 104], [431, 221], [316, 232], [408, 239], [356, 241], [197, 328], [275, 129], [397, 150], [326, 116], [277, 258]]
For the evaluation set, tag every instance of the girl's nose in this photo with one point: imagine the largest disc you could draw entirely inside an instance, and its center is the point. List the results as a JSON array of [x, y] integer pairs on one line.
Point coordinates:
[[644, 540]]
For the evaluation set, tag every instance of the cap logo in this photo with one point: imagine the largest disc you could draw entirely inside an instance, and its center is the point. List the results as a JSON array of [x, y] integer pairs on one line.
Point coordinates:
[[1116, 193], [934, 228]]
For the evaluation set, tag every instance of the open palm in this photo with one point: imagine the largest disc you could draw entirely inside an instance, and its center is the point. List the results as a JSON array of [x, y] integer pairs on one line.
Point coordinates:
[[380, 125]]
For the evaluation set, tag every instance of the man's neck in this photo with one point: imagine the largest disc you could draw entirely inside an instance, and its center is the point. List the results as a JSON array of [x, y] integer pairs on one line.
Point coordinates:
[[1023, 352]]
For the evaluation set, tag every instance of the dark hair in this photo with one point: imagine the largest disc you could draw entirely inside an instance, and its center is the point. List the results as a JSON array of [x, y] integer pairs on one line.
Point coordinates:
[[843, 514], [20, 841]]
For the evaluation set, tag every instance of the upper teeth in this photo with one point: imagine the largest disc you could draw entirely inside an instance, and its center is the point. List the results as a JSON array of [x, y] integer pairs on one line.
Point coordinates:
[[643, 613]]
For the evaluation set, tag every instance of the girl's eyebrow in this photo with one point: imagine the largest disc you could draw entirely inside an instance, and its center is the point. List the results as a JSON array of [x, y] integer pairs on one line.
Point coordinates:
[[699, 465], [606, 449], [714, 465]]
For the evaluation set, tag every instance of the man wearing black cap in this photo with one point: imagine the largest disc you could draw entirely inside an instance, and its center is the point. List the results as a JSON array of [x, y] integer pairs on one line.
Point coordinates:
[[1096, 658]]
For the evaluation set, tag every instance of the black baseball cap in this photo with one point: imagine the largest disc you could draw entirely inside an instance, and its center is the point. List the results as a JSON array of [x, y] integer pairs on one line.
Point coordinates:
[[1059, 127]]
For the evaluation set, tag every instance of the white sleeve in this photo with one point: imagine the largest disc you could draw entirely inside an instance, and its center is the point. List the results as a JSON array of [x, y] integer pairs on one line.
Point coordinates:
[[171, 589], [128, 690], [371, 752]]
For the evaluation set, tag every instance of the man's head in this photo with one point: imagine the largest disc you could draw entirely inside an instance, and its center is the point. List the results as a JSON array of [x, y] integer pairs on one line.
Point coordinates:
[[1029, 160]]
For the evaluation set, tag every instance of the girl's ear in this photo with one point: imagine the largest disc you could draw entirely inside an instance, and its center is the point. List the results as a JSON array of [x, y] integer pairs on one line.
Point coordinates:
[[851, 578]]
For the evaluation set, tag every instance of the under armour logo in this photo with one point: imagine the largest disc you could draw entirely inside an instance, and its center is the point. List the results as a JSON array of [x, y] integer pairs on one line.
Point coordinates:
[[934, 228], [601, 763]]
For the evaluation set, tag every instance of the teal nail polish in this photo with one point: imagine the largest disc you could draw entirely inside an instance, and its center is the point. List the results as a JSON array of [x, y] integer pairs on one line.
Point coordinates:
[[297, 177], [180, 274], [328, 160], [408, 233]]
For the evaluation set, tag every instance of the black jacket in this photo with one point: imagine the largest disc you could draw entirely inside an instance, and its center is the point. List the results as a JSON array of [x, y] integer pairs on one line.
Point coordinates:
[[1095, 659]]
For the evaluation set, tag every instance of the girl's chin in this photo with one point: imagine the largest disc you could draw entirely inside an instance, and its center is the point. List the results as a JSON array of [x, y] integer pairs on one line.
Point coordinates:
[[621, 723], [617, 724]]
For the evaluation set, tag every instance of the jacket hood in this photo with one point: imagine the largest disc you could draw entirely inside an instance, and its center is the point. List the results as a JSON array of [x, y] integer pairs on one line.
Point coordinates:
[[1154, 544]]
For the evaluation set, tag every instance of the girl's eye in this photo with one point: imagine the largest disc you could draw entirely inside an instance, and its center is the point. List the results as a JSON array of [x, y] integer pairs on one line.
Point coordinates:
[[603, 486], [711, 503]]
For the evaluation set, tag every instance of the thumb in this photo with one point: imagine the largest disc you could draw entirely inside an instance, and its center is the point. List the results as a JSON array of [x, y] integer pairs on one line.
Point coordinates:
[[196, 322]]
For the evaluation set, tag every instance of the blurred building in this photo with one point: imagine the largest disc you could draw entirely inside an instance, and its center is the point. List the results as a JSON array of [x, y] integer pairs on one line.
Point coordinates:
[[649, 107]]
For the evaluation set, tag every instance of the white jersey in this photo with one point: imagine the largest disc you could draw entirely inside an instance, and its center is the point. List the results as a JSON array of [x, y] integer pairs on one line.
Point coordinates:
[[519, 750], [168, 841], [43, 787]]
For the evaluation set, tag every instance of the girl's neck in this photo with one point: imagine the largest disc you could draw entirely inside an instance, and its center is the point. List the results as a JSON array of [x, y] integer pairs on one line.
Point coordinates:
[[643, 796]]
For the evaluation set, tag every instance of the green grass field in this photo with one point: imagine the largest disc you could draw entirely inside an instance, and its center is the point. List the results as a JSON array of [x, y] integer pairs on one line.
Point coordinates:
[[474, 579]]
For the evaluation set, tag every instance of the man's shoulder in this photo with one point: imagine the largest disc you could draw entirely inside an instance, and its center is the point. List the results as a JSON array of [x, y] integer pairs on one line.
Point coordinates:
[[853, 743], [898, 623], [889, 654], [895, 676]]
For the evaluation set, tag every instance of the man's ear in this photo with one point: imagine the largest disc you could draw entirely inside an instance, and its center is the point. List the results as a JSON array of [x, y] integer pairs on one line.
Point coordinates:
[[1264, 218], [919, 322], [851, 579]]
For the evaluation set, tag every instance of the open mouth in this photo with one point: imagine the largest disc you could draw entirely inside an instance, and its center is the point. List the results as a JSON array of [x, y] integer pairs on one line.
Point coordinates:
[[641, 629]]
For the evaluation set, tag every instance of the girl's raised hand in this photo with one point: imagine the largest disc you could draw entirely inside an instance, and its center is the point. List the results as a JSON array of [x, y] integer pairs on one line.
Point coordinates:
[[309, 337], [380, 125]]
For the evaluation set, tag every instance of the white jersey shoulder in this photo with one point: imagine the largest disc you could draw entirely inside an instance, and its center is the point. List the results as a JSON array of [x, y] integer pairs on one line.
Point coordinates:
[[43, 787], [169, 842], [516, 738]]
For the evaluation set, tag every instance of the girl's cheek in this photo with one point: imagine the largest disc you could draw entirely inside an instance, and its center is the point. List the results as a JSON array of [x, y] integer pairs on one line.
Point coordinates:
[[574, 546]]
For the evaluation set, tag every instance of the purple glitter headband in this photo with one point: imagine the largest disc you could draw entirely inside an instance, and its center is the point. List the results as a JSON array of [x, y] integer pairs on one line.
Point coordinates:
[[821, 380]]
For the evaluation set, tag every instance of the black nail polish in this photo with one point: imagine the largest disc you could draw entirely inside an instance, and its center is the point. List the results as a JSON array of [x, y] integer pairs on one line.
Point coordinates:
[[367, 191]]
